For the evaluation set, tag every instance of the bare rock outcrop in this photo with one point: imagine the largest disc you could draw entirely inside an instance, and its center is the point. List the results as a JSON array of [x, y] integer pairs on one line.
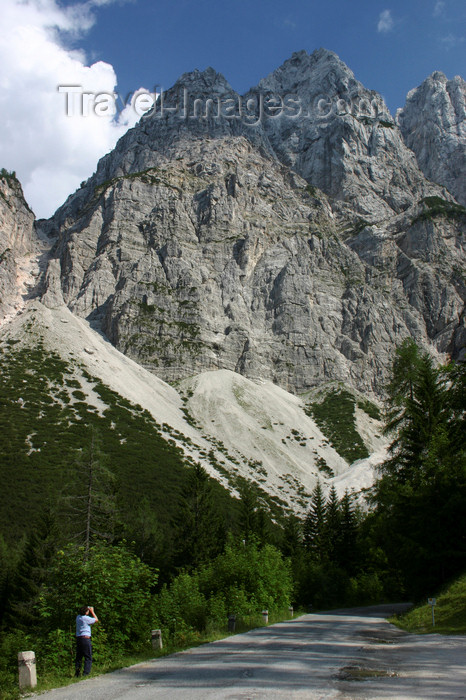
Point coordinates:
[[17, 240], [433, 124], [341, 137], [230, 260]]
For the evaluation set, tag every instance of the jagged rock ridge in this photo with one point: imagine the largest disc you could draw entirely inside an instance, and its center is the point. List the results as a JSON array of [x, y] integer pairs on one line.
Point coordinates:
[[344, 139], [433, 124], [300, 249]]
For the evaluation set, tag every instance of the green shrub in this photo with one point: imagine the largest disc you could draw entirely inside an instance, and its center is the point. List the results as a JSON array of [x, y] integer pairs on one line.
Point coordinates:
[[10, 644], [436, 206], [370, 408], [244, 580], [115, 581], [450, 612], [182, 605], [319, 585], [249, 577]]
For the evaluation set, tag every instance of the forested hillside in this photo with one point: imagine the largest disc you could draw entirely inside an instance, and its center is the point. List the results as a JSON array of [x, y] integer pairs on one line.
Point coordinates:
[[183, 553]]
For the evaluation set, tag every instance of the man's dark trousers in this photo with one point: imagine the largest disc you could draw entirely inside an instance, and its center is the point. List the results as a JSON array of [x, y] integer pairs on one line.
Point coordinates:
[[83, 650]]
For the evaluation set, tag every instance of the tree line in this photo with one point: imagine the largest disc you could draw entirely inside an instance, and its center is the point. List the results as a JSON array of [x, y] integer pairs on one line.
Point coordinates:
[[405, 540]]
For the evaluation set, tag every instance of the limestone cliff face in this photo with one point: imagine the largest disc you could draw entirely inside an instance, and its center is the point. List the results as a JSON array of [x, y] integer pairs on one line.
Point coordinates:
[[300, 249], [433, 124], [311, 114], [17, 239], [343, 138]]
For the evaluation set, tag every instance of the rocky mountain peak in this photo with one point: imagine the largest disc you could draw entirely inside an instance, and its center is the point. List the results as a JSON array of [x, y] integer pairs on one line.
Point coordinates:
[[311, 114], [443, 98], [340, 136], [433, 124], [300, 246], [437, 76], [208, 78], [321, 70]]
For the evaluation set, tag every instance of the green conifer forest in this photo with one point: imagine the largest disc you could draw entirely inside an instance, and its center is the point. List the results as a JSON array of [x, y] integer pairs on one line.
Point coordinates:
[[100, 508]]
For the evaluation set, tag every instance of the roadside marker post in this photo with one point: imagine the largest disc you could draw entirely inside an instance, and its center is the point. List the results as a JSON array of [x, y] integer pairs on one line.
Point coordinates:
[[231, 623], [157, 643], [432, 602], [27, 670]]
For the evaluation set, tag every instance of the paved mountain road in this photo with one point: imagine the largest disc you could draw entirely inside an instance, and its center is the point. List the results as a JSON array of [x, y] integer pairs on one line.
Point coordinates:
[[330, 656]]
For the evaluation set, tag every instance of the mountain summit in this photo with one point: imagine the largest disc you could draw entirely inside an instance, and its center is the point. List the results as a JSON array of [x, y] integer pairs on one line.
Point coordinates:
[[433, 124], [289, 234]]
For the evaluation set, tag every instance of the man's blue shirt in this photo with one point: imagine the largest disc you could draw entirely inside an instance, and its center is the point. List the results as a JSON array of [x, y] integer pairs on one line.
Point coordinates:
[[83, 625]]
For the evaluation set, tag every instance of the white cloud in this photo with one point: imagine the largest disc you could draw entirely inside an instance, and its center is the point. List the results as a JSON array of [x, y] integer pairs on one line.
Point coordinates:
[[451, 41], [438, 9], [386, 22], [50, 151]]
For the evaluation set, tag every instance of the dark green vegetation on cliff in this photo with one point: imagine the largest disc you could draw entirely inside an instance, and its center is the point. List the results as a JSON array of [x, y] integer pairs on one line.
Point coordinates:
[[335, 417], [436, 206]]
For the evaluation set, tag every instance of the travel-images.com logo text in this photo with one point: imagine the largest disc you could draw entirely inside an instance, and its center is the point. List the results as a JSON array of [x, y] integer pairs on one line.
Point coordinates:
[[251, 109]]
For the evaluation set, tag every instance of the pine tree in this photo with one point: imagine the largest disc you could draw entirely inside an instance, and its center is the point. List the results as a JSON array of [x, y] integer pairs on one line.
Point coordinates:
[[90, 501], [254, 520], [10, 555], [347, 553], [404, 375], [332, 524], [200, 532], [455, 377], [314, 530], [143, 529], [421, 497], [248, 511], [417, 414], [292, 536]]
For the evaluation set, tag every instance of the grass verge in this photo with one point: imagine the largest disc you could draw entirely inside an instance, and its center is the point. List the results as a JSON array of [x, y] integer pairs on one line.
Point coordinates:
[[450, 613]]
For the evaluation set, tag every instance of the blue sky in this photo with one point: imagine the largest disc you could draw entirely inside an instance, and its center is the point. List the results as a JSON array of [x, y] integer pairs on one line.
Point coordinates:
[[390, 46], [103, 45]]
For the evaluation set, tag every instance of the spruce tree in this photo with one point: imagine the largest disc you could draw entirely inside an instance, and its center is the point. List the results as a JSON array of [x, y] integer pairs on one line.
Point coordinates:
[[332, 524], [254, 520], [10, 556], [142, 528], [292, 537], [421, 497], [200, 534], [417, 414], [347, 553], [90, 500], [314, 530]]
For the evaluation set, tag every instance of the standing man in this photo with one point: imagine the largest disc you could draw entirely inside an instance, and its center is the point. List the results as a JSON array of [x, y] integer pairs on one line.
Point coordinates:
[[84, 620]]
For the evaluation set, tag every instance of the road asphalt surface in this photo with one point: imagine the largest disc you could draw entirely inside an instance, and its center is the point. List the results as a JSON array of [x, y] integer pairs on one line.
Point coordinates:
[[340, 655]]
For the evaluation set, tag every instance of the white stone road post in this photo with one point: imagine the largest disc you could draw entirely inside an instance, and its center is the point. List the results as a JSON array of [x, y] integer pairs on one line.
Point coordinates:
[[27, 669], [157, 640]]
